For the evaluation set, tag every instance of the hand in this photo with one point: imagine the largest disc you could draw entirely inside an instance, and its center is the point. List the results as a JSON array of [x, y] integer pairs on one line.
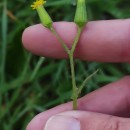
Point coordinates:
[[103, 109]]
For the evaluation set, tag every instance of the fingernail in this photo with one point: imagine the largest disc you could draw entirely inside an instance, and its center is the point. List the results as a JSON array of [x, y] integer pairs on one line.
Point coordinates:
[[61, 122]]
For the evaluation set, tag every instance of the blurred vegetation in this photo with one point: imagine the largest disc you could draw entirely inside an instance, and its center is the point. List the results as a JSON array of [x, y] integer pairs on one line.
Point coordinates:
[[24, 93]]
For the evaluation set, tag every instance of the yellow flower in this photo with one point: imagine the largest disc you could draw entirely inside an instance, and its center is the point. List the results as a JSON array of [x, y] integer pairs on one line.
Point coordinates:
[[43, 15], [38, 3]]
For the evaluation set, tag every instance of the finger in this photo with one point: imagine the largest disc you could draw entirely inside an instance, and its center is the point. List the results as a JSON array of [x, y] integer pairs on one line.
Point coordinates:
[[80, 120], [107, 41], [112, 99]]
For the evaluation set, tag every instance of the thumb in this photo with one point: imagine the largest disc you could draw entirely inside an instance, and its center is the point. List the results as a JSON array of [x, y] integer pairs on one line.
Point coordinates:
[[81, 120]]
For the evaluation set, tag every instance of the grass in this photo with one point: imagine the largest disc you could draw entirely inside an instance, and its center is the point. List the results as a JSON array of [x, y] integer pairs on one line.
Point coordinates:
[[24, 92]]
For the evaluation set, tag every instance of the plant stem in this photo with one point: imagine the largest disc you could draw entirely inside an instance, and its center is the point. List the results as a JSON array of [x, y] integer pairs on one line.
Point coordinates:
[[71, 57], [26, 67], [74, 91], [60, 40], [76, 39], [39, 63], [85, 81]]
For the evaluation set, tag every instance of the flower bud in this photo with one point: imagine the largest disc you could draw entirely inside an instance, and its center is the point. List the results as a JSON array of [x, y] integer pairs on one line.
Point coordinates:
[[81, 13], [43, 15]]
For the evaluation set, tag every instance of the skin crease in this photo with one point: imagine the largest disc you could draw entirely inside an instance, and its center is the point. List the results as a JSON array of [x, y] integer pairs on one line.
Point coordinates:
[[104, 41]]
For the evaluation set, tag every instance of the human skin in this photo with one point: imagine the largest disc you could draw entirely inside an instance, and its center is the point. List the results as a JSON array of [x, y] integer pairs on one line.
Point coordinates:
[[107, 108]]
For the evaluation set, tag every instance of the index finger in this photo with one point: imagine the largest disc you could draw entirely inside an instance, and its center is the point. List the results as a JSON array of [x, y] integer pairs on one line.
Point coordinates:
[[106, 41]]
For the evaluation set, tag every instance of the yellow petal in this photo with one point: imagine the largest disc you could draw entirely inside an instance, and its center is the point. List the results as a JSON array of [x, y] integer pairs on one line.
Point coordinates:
[[38, 3]]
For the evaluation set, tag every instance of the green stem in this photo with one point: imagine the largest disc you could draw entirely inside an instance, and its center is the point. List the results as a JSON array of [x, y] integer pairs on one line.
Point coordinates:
[[60, 40], [25, 69], [76, 39], [71, 57], [85, 81], [39, 63], [74, 91]]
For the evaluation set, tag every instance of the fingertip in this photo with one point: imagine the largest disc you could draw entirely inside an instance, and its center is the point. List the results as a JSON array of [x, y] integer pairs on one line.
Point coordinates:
[[25, 36], [36, 123], [31, 37], [30, 126]]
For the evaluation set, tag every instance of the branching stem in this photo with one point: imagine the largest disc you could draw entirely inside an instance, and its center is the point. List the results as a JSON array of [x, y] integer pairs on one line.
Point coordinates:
[[60, 40], [70, 53], [71, 57]]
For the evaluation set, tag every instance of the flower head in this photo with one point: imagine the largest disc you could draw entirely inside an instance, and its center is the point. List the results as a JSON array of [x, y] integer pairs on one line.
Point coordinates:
[[81, 13], [43, 15], [38, 3]]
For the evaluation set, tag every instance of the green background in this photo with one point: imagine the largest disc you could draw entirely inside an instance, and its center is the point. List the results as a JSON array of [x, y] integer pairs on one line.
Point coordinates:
[[21, 97]]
